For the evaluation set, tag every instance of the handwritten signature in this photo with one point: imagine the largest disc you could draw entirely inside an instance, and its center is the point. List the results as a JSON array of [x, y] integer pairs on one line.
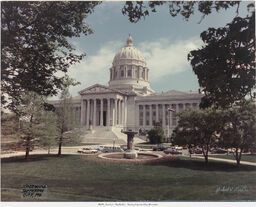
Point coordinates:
[[232, 189]]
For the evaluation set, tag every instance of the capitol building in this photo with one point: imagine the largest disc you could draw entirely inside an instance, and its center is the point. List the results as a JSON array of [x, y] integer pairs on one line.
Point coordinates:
[[128, 102]]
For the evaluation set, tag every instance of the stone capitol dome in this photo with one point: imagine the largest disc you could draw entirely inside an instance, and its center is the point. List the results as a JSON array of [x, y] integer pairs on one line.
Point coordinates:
[[129, 70]]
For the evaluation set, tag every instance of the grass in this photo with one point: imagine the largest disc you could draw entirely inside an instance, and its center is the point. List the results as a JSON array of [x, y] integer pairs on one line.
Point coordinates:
[[86, 178], [245, 157]]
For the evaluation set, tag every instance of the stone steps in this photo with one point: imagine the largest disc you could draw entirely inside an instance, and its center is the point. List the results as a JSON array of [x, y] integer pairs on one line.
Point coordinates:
[[104, 135]]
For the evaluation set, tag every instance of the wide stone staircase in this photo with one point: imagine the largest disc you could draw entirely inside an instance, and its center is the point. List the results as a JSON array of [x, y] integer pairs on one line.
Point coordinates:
[[106, 135]]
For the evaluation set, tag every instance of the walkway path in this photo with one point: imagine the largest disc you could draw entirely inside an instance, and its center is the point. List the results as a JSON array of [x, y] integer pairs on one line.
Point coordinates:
[[226, 160]]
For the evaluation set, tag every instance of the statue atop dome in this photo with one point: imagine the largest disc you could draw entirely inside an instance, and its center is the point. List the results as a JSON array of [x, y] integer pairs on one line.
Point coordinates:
[[129, 41]]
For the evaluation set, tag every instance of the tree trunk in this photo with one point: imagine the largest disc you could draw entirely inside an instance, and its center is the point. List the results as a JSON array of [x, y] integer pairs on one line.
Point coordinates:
[[206, 159], [205, 153], [238, 156], [27, 152], [27, 148], [60, 144]]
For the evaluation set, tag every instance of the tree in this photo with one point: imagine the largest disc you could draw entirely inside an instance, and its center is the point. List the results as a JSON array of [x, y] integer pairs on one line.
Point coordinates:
[[34, 122], [140, 9], [198, 127], [65, 117], [156, 135], [184, 136], [48, 130], [239, 132], [34, 46], [225, 66]]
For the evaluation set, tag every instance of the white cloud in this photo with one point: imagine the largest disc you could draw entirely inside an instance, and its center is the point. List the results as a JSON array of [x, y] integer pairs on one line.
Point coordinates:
[[163, 58], [94, 69]]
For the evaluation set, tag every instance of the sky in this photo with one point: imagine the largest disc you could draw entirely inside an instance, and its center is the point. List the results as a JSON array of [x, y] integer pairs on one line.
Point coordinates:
[[164, 40]]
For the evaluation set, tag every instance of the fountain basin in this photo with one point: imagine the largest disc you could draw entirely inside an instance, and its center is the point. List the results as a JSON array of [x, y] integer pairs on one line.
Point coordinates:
[[122, 156]]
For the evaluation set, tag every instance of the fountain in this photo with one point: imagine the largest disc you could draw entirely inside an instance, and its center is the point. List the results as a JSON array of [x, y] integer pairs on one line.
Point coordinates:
[[130, 152]]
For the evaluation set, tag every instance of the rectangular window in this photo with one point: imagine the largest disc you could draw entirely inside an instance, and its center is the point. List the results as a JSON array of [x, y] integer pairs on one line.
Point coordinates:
[[129, 73]]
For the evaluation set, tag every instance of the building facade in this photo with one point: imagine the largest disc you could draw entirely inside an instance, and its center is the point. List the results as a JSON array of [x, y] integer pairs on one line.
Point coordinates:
[[128, 101]]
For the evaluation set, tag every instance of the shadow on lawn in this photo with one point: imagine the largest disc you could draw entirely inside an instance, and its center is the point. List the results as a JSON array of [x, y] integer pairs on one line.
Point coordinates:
[[32, 158], [200, 165]]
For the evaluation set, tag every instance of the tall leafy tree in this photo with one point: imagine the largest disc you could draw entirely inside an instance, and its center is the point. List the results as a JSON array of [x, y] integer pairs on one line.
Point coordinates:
[[65, 117], [239, 131], [225, 65], [48, 130], [199, 127], [156, 135], [36, 125], [34, 45]]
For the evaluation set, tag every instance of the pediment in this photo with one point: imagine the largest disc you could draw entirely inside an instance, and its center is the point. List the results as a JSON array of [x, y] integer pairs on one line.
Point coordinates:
[[97, 88]]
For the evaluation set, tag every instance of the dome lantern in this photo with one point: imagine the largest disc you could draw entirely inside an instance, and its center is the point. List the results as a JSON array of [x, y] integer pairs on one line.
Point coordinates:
[[129, 41]]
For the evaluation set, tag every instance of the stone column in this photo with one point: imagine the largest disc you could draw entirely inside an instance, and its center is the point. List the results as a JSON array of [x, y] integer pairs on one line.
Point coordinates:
[[150, 115], [108, 112], [144, 116], [119, 112], [88, 113], [94, 112], [157, 115], [123, 111], [101, 112], [82, 113], [163, 117], [115, 113]]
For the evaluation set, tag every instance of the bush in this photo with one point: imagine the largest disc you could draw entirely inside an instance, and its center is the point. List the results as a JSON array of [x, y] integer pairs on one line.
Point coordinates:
[[156, 135]]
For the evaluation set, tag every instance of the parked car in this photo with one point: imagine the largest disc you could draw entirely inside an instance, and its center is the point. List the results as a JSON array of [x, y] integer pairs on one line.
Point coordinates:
[[112, 149], [87, 150], [99, 148], [178, 147], [159, 148], [171, 151], [198, 151], [218, 151]]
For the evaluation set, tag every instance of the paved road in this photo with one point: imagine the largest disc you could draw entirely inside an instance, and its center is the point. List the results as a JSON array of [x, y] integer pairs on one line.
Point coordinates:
[[73, 151]]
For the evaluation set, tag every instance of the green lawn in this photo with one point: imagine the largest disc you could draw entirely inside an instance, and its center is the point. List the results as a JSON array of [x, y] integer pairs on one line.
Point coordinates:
[[246, 157], [86, 178]]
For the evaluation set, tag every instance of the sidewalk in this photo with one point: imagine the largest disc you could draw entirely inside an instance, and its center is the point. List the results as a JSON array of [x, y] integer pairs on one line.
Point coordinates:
[[64, 150], [226, 160]]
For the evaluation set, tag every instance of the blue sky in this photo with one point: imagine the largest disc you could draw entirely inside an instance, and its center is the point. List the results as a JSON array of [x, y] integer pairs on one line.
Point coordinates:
[[165, 42]]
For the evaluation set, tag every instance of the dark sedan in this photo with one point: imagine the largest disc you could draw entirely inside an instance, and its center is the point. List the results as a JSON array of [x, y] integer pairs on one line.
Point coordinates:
[[172, 151], [218, 151], [159, 148]]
